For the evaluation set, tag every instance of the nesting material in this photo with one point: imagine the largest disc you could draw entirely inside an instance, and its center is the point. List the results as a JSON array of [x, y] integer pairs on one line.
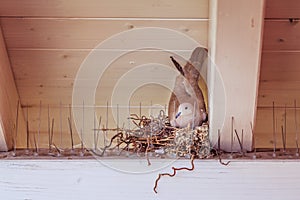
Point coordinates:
[[189, 142]]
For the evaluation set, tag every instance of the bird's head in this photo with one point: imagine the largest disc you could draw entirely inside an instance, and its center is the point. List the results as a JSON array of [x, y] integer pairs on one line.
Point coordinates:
[[184, 109]]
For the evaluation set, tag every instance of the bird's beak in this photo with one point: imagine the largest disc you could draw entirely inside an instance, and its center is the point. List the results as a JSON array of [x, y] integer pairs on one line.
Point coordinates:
[[177, 115]]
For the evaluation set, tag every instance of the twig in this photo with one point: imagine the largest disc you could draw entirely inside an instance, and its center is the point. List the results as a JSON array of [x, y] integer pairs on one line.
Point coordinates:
[[220, 159], [147, 150], [27, 130], [118, 117], [174, 172], [253, 140], [60, 119], [231, 139], [17, 122], [52, 131], [57, 149], [98, 133], [35, 144], [296, 128], [219, 140], [95, 143], [49, 131], [274, 133], [106, 125], [283, 139], [71, 133], [240, 143], [70, 127], [82, 130], [284, 129], [39, 130]]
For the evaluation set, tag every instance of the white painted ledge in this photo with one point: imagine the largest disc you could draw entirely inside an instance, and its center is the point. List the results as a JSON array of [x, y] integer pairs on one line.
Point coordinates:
[[89, 179]]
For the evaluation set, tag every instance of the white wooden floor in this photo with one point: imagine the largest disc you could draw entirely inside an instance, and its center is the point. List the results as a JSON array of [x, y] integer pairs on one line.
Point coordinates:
[[89, 179]]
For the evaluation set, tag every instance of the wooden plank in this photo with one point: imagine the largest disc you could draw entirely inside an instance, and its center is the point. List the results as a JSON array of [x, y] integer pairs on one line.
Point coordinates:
[[86, 33], [280, 66], [79, 180], [46, 65], [282, 9], [48, 76], [280, 61], [40, 74], [105, 8], [279, 78], [237, 58], [8, 103], [280, 97], [280, 85], [264, 127], [281, 35]]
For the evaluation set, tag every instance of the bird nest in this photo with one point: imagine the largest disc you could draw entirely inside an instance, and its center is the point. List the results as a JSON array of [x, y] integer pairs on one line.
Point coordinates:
[[189, 142], [158, 137]]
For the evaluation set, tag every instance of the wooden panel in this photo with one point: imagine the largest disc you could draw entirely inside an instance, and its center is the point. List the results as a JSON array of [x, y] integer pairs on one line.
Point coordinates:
[[85, 33], [264, 127], [237, 57], [8, 103], [104, 8], [279, 63], [282, 93], [282, 9], [281, 35], [48, 41], [48, 76], [279, 78], [80, 180]]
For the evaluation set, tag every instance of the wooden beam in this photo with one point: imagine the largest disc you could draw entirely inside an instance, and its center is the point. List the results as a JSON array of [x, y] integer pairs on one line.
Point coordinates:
[[80, 179], [282, 9], [235, 49], [111, 8], [8, 102], [86, 33], [281, 35]]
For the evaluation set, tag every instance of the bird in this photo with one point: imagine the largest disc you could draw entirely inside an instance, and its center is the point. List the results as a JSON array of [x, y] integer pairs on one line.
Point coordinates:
[[187, 116], [187, 93]]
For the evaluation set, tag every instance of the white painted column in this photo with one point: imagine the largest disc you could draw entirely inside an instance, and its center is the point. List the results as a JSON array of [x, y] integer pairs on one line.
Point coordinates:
[[235, 49]]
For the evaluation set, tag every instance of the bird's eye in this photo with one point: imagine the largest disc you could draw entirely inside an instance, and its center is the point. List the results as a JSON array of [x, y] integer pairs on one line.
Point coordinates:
[[186, 108]]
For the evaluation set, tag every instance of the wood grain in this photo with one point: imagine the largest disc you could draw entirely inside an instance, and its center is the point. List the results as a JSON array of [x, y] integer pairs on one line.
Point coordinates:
[[104, 8], [65, 179], [264, 127], [86, 33], [9, 98], [49, 75], [237, 57], [282, 9], [281, 35], [279, 73], [49, 40]]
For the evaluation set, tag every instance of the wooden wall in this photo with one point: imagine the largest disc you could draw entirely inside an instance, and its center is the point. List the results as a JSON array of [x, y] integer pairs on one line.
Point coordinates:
[[48, 40], [280, 73], [11, 116]]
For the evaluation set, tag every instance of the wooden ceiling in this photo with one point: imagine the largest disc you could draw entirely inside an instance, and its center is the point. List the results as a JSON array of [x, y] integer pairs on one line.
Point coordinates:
[[280, 73], [48, 40]]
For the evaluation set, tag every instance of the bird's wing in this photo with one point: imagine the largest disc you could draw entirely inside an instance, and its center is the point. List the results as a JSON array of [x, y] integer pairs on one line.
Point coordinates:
[[198, 57]]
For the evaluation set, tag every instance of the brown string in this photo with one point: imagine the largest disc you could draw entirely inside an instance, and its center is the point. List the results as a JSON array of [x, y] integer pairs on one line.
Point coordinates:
[[174, 172]]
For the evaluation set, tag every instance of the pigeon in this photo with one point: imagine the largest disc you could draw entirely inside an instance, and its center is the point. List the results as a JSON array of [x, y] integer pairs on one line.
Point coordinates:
[[187, 93], [186, 116]]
